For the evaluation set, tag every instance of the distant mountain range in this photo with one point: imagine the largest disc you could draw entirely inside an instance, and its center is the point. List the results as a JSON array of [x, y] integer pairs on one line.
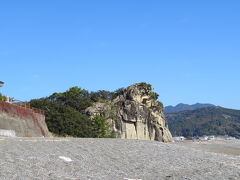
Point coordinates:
[[210, 120], [183, 107]]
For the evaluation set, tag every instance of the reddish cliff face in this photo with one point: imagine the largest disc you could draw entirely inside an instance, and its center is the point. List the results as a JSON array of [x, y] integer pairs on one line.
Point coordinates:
[[24, 121]]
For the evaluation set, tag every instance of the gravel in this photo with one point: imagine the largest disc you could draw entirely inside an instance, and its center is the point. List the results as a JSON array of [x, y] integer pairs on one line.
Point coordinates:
[[113, 159]]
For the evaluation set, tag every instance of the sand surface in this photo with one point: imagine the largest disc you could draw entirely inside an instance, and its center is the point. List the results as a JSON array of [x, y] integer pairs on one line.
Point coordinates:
[[230, 147], [116, 159]]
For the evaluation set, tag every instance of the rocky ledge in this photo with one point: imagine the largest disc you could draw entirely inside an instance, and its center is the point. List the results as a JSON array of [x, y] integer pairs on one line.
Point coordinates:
[[134, 113]]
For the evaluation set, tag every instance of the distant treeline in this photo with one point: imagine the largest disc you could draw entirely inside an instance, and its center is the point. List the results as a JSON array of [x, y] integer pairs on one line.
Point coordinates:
[[205, 121]]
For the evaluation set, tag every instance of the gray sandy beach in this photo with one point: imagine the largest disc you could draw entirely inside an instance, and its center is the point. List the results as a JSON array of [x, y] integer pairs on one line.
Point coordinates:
[[89, 159]]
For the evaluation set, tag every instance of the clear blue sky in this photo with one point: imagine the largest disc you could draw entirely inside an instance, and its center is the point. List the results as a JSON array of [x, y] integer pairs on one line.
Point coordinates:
[[189, 49]]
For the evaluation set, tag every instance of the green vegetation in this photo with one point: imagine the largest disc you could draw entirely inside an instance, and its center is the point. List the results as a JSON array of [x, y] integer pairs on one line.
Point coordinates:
[[75, 97], [153, 95], [118, 92], [205, 121], [65, 113], [145, 85], [2, 97], [100, 127], [101, 96], [160, 104]]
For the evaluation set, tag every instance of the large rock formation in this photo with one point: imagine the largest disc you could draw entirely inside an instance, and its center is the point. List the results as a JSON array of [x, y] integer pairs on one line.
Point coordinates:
[[135, 113]]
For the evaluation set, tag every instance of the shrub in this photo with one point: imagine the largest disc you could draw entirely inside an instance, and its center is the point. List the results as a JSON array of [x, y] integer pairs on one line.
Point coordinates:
[[3, 98], [118, 92], [101, 95], [145, 85], [153, 95], [160, 104], [101, 128]]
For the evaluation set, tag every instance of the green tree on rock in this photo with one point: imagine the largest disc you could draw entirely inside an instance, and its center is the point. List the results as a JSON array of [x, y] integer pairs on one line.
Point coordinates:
[[101, 128]]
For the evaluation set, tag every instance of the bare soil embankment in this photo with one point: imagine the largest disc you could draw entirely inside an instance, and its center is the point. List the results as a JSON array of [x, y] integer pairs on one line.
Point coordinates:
[[24, 122]]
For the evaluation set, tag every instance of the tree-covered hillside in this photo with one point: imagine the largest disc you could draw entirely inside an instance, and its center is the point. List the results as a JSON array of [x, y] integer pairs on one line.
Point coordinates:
[[206, 121], [184, 107], [65, 113]]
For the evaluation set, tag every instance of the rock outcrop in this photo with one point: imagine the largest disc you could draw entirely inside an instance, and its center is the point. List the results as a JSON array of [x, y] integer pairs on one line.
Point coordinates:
[[134, 113]]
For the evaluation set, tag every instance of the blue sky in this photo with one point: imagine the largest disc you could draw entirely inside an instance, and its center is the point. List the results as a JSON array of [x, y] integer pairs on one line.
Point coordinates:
[[188, 50]]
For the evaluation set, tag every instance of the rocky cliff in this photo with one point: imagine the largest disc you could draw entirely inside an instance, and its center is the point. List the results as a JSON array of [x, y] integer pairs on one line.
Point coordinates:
[[134, 113]]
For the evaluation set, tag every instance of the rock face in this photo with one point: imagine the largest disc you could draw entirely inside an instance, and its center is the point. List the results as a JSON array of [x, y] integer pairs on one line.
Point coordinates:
[[134, 114]]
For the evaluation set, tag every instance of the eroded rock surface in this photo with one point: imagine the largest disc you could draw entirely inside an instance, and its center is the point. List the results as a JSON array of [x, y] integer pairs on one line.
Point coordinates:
[[134, 114]]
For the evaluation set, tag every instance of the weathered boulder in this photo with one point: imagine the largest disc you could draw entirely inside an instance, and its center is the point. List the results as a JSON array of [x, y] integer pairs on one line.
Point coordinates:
[[135, 113]]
